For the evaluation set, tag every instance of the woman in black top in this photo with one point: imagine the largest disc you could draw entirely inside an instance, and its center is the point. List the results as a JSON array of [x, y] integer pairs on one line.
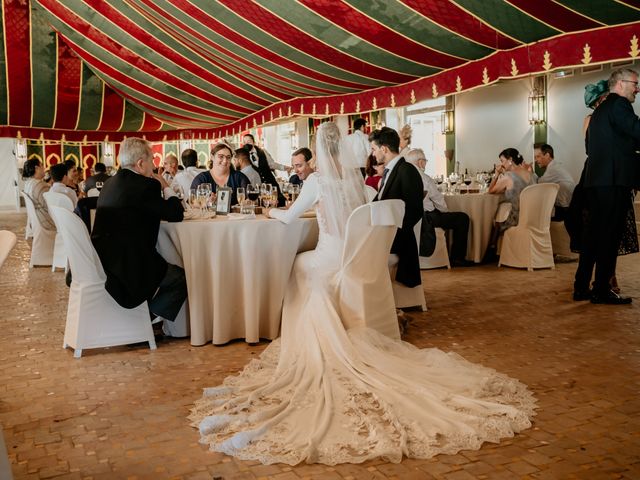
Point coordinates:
[[221, 174]]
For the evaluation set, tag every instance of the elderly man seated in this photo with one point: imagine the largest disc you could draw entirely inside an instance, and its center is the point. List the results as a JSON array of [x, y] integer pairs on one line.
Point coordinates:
[[125, 233], [436, 209]]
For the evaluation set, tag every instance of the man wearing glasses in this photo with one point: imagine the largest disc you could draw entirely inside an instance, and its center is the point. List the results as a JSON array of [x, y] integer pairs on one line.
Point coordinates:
[[612, 172]]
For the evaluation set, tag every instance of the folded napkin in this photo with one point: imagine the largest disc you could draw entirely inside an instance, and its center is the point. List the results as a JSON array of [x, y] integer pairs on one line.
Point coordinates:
[[241, 216]]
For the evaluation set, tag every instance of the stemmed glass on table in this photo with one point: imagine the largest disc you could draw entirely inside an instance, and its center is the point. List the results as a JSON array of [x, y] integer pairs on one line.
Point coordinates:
[[204, 194]]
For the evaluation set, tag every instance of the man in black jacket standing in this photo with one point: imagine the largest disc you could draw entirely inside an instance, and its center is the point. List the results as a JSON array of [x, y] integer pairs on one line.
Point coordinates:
[[125, 234], [612, 171]]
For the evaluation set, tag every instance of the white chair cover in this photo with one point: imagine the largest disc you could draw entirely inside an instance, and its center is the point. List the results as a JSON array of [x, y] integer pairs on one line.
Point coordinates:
[[405, 296], [94, 319], [59, 252], [28, 231], [364, 284], [560, 241], [43, 240], [93, 192], [7, 241], [440, 256], [528, 244], [370, 193]]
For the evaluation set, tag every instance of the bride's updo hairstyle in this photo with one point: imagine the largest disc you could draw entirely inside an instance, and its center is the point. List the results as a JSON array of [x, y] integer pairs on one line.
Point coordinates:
[[513, 155]]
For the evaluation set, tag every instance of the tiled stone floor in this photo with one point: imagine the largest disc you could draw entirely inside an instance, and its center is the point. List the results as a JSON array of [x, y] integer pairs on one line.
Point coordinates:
[[120, 413]]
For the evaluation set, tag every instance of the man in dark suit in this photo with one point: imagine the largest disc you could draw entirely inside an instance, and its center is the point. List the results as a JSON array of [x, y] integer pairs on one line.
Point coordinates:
[[125, 234], [400, 180], [100, 175], [612, 171]]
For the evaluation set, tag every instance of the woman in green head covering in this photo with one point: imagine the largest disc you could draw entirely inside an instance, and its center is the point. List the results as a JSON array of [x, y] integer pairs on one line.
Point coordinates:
[[594, 95]]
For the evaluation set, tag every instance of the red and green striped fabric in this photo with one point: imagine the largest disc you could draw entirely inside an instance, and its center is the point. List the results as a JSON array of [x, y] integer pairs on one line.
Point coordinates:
[[89, 68]]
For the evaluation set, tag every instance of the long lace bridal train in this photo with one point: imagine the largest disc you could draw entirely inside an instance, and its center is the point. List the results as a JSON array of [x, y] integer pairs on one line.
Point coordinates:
[[323, 394]]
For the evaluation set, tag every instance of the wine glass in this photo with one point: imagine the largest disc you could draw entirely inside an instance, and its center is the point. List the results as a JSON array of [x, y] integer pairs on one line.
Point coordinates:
[[204, 196], [295, 191], [265, 192], [253, 193], [453, 179], [240, 193]]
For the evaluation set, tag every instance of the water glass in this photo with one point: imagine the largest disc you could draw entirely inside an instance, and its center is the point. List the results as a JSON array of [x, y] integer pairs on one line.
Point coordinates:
[[240, 193]]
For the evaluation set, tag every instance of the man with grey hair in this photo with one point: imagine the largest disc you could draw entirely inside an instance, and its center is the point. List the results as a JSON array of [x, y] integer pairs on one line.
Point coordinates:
[[435, 208], [125, 233], [612, 172]]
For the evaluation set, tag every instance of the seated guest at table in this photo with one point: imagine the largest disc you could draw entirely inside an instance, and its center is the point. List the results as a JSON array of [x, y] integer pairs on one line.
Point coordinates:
[[73, 176], [510, 178], [100, 175], [373, 172], [301, 162], [60, 180], [185, 177], [35, 188], [243, 164], [555, 173], [125, 233], [169, 167], [405, 139], [438, 212], [221, 174]]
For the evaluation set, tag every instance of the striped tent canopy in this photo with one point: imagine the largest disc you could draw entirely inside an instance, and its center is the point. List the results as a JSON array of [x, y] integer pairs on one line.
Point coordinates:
[[87, 69]]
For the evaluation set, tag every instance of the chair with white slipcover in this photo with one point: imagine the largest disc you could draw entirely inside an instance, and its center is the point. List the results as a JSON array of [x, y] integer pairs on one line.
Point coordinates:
[[440, 256], [59, 252], [370, 192], [7, 241], [364, 285], [528, 244], [406, 296], [43, 239], [94, 318]]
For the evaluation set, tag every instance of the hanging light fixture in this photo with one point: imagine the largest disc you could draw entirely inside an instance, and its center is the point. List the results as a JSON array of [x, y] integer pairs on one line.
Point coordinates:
[[447, 121], [537, 107]]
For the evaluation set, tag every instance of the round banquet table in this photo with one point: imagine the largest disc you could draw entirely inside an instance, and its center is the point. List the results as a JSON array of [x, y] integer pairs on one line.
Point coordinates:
[[237, 272], [481, 208]]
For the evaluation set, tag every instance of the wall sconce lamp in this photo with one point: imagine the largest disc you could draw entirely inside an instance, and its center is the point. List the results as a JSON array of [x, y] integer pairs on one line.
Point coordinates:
[[537, 108], [107, 154], [21, 151], [447, 121]]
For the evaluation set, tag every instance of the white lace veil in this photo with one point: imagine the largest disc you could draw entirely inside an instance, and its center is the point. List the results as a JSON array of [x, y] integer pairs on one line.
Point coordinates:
[[341, 183]]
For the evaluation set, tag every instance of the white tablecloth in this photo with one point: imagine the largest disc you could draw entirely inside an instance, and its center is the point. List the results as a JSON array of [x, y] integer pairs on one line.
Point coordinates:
[[481, 208], [237, 272]]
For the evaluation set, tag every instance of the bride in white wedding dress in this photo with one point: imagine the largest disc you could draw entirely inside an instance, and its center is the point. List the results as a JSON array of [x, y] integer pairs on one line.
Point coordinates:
[[323, 394]]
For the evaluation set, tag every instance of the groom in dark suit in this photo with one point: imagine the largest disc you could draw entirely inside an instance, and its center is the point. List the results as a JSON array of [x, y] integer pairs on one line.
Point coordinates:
[[400, 180], [125, 234]]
